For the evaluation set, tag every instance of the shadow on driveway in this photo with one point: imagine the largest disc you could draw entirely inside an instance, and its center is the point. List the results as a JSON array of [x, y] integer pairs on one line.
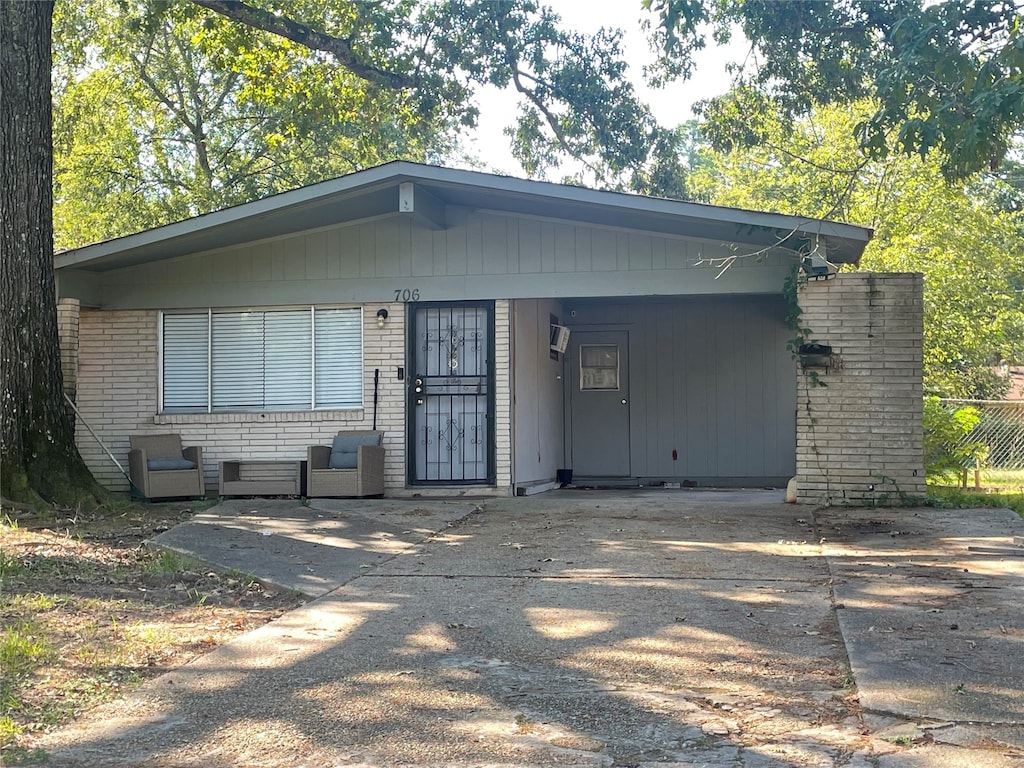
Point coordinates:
[[589, 629]]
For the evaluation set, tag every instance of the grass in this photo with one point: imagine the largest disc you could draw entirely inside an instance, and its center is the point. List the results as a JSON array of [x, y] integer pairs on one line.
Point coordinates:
[[170, 562], [87, 612], [968, 498], [985, 479], [526, 725], [23, 650], [34, 603], [1004, 479], [988, 487], [9, 566]]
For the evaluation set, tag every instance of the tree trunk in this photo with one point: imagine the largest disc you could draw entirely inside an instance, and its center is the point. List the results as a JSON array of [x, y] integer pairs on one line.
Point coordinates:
[[38, 457]]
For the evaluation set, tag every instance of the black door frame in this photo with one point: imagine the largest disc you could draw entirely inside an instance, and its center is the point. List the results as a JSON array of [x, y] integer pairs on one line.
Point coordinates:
[[410, 410]]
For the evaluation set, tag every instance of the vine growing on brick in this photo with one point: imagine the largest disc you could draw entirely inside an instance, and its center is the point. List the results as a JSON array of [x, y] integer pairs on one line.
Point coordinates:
[[802, 334]]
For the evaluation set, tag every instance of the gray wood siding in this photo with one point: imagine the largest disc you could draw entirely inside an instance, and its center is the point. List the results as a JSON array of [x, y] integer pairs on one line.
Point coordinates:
[[481, 255], [711, 379], [537, 392]]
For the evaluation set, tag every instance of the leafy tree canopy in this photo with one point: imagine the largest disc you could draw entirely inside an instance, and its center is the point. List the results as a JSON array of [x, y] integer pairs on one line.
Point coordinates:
[[165, 110], [967, 248], [944, 75], [161, 118]]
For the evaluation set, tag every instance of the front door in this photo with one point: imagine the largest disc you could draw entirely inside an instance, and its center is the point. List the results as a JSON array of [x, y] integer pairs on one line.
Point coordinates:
[[451, 393], [599, 403]]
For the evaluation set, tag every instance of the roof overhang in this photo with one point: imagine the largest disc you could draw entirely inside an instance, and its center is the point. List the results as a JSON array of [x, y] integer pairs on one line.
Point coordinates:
[[423, 192]]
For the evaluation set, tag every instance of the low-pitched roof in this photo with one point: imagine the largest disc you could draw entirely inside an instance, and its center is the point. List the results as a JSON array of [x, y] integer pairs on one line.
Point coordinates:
[[384, 190]]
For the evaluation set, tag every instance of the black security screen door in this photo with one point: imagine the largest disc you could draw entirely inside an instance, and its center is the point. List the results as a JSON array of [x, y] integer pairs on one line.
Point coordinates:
[[451, 393]]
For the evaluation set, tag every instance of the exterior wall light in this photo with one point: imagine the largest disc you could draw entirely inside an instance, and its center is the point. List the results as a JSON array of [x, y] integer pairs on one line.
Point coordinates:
[[382, 315]]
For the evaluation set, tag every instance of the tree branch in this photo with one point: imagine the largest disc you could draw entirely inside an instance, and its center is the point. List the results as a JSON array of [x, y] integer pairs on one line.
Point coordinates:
[[313, 39], [178, 110]]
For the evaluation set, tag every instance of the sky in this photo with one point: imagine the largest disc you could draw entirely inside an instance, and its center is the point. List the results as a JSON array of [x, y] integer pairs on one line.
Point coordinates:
[[671, 105]]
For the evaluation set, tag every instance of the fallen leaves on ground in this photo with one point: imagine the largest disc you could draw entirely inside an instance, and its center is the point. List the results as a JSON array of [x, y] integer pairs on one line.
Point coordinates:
[[88, 611]]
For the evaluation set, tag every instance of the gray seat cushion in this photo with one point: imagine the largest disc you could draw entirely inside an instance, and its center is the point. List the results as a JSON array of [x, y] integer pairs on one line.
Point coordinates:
[[345, 450], [160, 463]]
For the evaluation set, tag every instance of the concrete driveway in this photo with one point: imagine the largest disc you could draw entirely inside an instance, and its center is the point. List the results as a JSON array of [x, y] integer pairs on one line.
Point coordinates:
[[640, 628]]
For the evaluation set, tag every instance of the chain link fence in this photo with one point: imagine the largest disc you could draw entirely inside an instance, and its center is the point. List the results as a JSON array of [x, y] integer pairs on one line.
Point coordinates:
[[989, 441]]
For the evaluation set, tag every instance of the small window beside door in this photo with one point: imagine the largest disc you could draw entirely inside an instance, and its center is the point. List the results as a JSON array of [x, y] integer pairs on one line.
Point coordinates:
[[599, 367]]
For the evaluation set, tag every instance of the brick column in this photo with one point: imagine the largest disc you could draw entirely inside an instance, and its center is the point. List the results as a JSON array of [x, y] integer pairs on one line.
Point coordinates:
[[67, 331], [503, 394], [859, 428]]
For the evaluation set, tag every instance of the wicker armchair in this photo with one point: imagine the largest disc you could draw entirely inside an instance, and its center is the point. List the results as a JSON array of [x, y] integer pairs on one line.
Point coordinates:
[[160, 469], [352, 466]]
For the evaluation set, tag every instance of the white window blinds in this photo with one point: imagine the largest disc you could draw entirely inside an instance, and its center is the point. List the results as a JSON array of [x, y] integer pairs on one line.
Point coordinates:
[[186, 359], [338, 372], [262, 360], [237, 376]]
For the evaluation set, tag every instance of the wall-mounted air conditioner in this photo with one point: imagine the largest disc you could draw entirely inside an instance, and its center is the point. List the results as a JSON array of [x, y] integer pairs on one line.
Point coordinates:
[[559, 338]]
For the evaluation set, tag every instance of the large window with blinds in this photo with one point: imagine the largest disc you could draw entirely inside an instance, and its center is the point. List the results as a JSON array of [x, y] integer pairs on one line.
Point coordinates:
[[262, 360]]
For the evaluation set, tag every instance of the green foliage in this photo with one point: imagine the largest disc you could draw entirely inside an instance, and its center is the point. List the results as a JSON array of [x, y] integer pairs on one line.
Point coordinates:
[[1003, 189], [168, 561], [801, 333], [174, 115], [946, 449], [967, 248], [22, 650], [958, 498], [9, 566], [945, 76], [8, 730], [165, 110], [791, 293]]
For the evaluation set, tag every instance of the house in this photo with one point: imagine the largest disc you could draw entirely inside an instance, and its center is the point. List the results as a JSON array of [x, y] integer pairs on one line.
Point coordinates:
[[1015, 380], [499, 330]]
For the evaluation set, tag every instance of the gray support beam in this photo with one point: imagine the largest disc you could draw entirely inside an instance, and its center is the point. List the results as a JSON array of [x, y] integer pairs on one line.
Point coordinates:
[[421, 206]]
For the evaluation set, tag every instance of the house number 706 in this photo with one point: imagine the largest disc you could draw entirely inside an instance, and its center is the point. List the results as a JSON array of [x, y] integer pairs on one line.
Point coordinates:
[[407, 294]]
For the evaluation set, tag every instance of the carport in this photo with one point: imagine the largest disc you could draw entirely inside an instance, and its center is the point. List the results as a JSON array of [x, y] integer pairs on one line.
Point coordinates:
[[686, 390]]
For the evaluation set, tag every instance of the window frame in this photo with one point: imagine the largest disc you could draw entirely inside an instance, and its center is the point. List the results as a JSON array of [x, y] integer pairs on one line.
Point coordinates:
[[209, 313], [584, 387]]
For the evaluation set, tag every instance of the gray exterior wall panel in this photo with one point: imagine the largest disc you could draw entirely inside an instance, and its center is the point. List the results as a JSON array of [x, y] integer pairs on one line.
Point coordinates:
[[537, 390], [483, 255], [711, 379]]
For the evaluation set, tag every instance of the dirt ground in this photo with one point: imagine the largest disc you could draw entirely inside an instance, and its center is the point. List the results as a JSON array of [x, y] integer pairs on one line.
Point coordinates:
[[87, 612]]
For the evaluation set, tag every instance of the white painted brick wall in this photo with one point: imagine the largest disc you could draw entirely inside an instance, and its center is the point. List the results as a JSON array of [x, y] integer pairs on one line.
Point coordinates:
[[859, 437], [118, 372], [503, 394], [67, 330], [117, 396]]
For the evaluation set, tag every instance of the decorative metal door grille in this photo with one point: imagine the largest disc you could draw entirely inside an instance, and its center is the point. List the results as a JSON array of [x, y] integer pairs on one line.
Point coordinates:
[[451, 394]]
